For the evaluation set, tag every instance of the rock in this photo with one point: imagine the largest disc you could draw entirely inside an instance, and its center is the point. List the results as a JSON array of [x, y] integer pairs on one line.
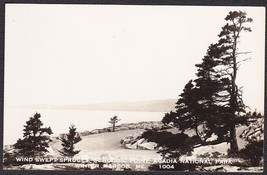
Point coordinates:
[[140, 141], [128, 126], [148, 145], [134, 141], [212, 138], [255, 131], [95, 131], [37, 167], [130, 146]]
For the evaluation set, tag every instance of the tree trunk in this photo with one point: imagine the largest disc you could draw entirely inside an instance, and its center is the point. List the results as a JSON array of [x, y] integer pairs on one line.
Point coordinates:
[[113, 127], [233, 97], [233, 140]]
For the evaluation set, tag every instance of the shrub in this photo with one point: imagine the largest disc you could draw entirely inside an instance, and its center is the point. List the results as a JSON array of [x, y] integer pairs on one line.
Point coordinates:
[[253, 152], [9, 159], [172, 145]]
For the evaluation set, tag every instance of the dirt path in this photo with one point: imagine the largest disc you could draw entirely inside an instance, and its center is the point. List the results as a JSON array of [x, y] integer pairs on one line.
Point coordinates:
[[108, 145], [102, 141]]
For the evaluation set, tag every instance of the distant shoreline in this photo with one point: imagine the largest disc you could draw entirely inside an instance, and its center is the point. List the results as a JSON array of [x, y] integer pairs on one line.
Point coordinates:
[[165, 105], [126, 126]]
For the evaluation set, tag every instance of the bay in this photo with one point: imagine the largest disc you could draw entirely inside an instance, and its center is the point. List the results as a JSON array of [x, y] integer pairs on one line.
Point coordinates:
[[60, 120]]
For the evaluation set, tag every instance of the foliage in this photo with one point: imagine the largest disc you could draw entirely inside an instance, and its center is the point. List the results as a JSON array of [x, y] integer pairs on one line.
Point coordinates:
[[170, 145], [9, 158], [228, 44], [113, 121], [213, 100], [253, 115], [68, 142], [187, 108], [35, 137], [253, 152]]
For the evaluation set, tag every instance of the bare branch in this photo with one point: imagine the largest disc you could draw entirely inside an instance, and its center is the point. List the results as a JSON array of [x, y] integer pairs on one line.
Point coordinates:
[[239, 53], [243, 60]]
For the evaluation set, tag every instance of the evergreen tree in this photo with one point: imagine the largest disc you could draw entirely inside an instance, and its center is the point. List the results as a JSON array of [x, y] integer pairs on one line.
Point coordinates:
[[211, 84], [113, 121], [35, 137], [187, 111], [198, 107], [228, 44], [68, 142], [214, 100]]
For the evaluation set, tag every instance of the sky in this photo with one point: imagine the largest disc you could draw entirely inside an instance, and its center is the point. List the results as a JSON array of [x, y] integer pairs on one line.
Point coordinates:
[[80, 54]]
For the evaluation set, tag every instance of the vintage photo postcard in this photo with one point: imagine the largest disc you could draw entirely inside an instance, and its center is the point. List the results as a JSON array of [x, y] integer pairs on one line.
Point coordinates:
[[134, 88]]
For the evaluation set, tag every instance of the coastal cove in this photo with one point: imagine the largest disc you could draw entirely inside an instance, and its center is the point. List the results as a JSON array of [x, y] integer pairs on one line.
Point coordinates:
[[60, 120]]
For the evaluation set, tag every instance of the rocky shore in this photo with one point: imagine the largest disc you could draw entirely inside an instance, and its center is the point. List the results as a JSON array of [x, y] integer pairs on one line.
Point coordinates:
[[127, 126], [127, 141]]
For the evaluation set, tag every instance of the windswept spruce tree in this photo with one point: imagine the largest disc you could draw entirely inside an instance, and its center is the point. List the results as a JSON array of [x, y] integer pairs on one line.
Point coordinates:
[[113, 121], [35, 137], [214, 100], [228, 44], [68, 142]]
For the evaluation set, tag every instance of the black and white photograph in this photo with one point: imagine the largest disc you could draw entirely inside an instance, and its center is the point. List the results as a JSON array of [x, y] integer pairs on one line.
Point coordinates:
[[92, 87]]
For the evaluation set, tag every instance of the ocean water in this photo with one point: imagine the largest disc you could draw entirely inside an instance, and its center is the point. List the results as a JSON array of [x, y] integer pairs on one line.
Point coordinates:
[[60, 120]]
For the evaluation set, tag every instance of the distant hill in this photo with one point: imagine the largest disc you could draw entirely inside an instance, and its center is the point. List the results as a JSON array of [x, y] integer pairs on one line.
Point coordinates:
[[165, 105]]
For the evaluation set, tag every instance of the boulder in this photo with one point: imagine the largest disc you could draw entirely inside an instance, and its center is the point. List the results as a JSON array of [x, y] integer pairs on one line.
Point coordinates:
[[95, 131], [255, 131], [134, 141], [148, 146]]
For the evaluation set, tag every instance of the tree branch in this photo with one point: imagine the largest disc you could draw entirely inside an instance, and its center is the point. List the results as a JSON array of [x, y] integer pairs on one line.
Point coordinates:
[[243, 53]]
